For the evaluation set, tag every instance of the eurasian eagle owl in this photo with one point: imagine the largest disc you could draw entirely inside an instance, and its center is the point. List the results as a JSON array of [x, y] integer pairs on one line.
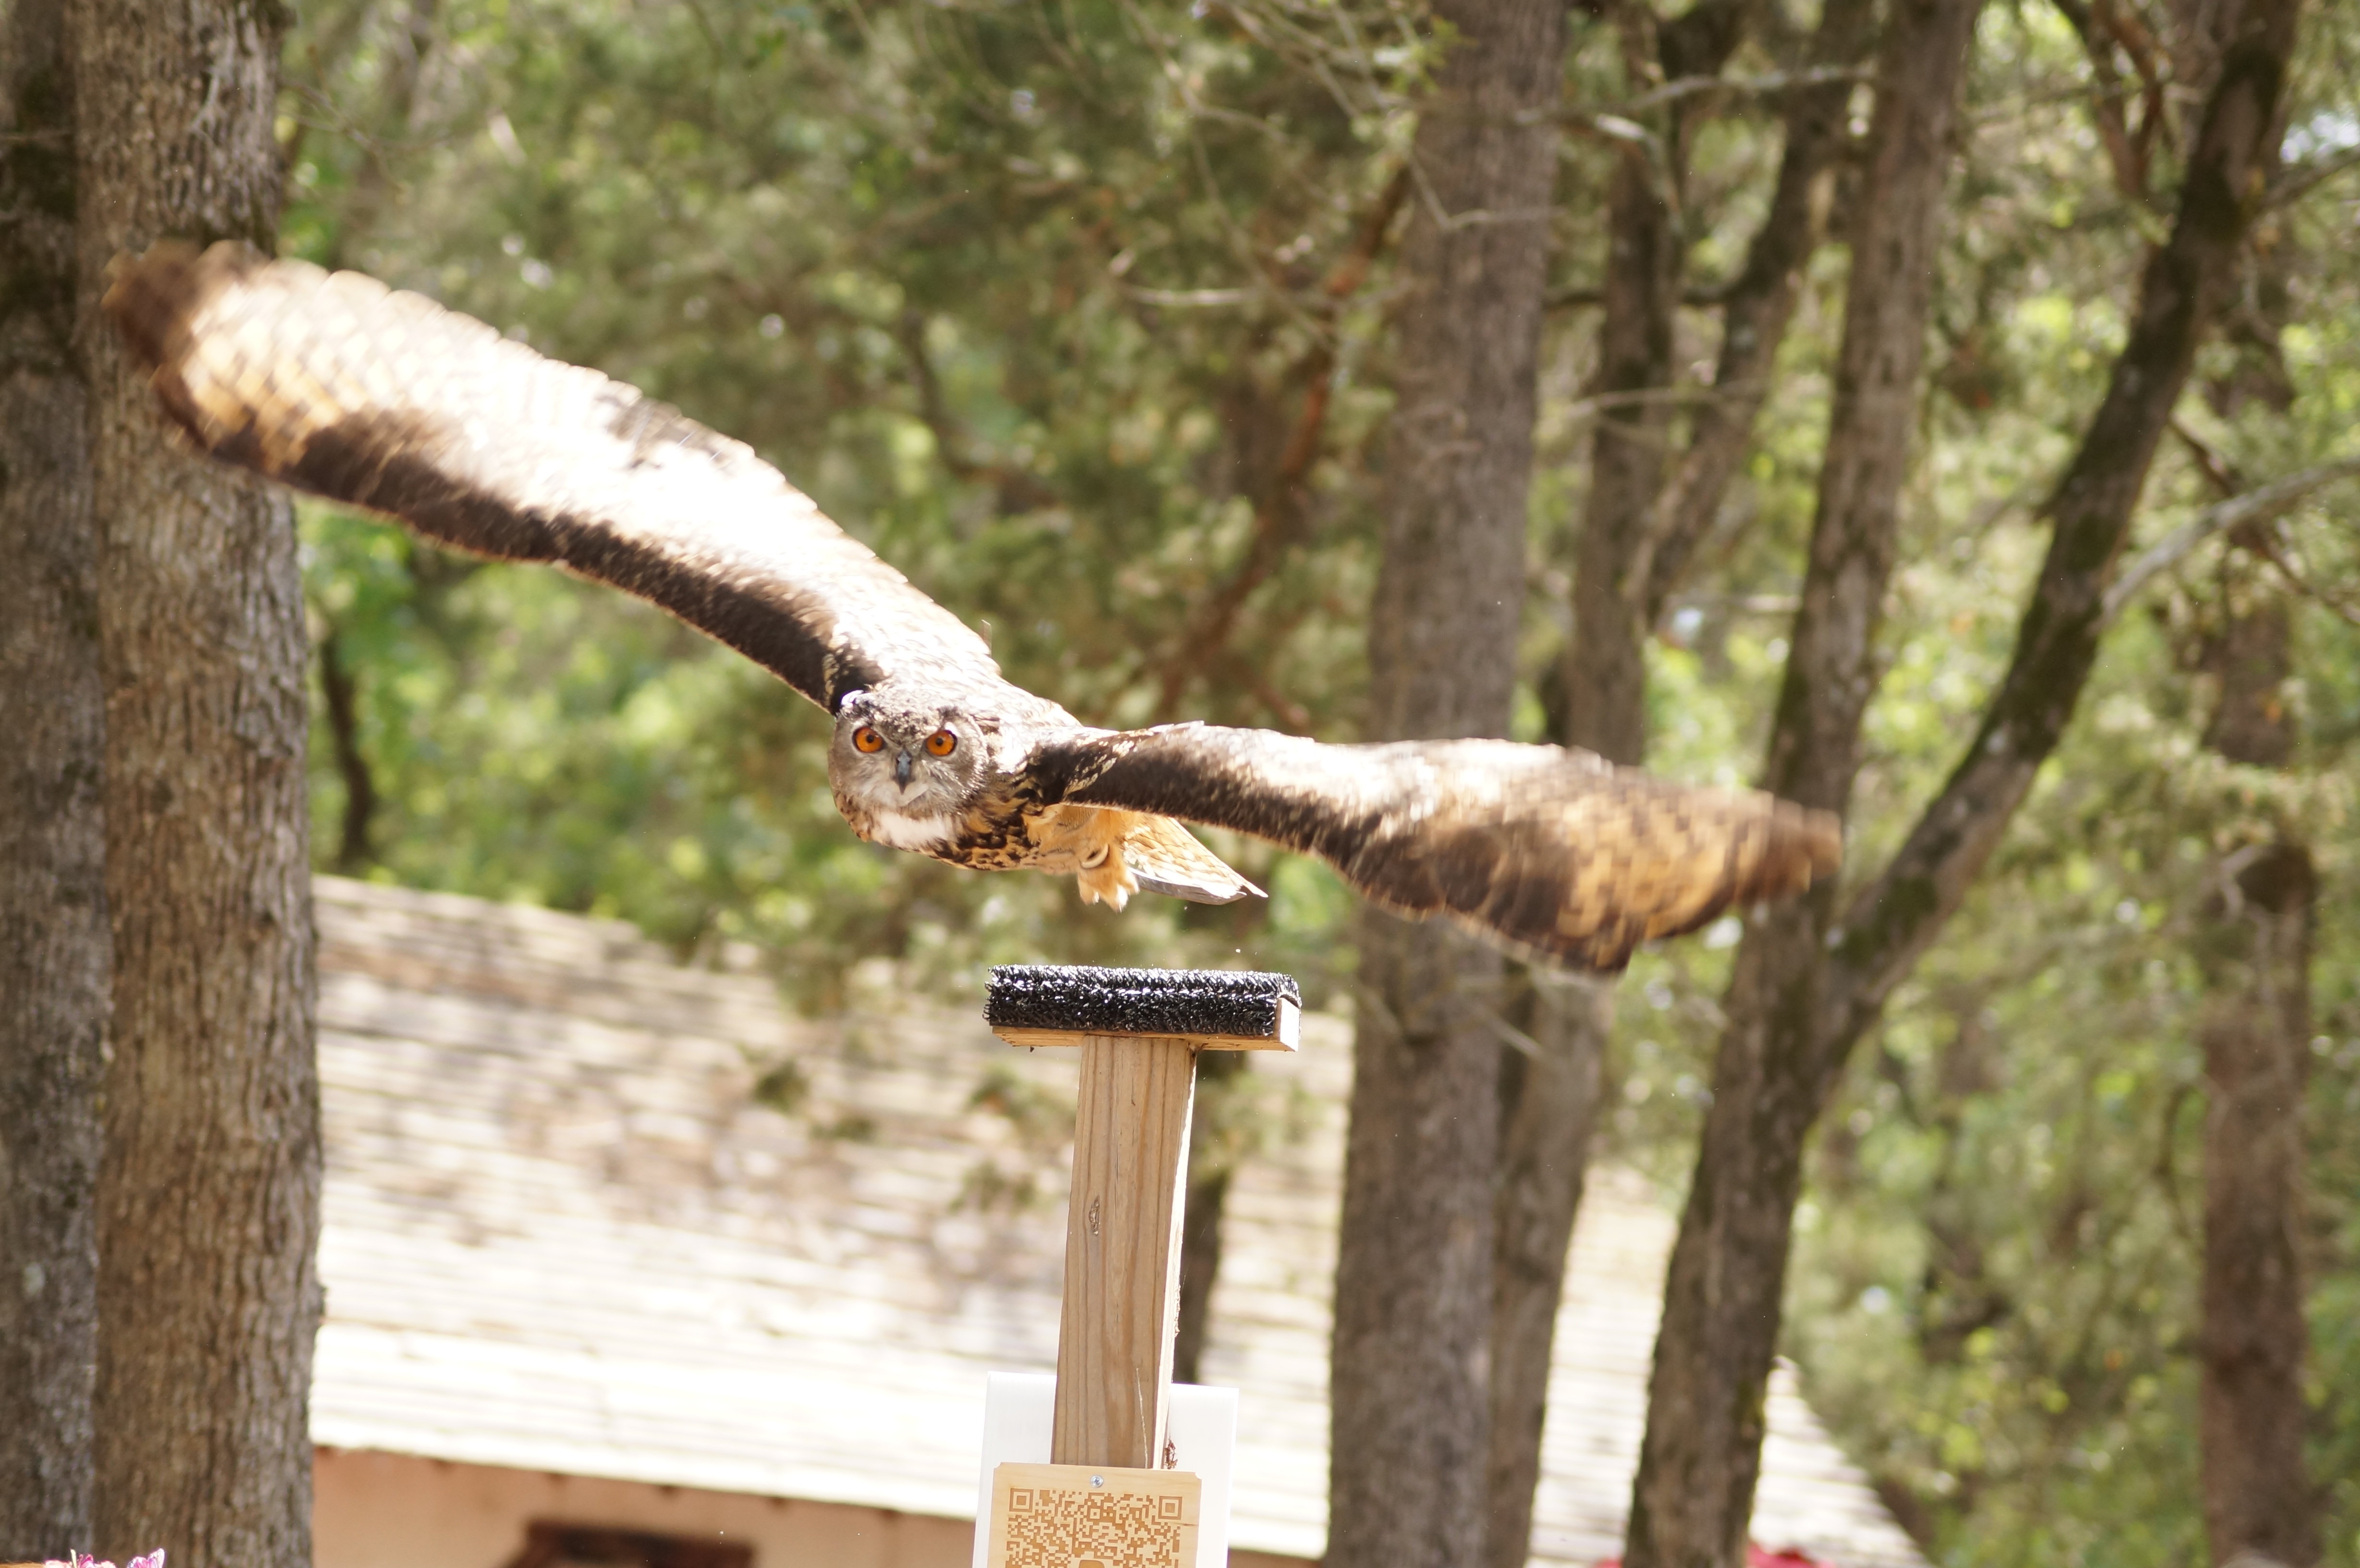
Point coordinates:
[[338, 385]]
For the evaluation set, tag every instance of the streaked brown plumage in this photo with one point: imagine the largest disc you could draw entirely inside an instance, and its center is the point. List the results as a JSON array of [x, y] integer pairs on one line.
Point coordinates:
[[336, 385]]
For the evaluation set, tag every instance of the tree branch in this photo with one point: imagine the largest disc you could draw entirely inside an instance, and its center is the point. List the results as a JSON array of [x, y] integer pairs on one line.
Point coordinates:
[[2253, 506], [1698, 296], [1897, 916], [2303, 178], [1772, 84], [2129, 149]]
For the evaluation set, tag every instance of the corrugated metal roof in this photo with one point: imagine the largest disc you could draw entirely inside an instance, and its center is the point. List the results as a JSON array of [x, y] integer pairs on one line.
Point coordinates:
[[562, 1235]]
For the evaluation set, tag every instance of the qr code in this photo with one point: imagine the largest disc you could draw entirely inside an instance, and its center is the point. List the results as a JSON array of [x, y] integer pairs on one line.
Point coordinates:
[[1129, 1520]]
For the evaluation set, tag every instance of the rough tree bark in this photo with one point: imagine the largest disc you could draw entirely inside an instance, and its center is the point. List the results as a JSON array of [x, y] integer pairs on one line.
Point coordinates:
[[1788, 1042], [1640, 532], [1694, 1491], [1550, 1080], [1413, 1279], [208, 1200], [53, 931], [2254, 948]]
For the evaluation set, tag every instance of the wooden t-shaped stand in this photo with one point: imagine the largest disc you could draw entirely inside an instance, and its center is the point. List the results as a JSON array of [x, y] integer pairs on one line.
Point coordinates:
[[1139, 1030]]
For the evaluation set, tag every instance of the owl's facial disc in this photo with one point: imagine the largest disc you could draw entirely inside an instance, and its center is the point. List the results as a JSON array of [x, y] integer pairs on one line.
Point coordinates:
[[904, 759]]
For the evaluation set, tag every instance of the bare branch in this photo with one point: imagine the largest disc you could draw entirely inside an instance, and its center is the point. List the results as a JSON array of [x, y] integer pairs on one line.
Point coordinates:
[[2301, 180], [1772, 84], [2253, 506], [1698, 296], [1193, 298]]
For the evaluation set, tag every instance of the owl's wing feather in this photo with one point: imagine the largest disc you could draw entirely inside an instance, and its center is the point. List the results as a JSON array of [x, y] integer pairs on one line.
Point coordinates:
[[334, 384], [1554, 851], [384, 400]]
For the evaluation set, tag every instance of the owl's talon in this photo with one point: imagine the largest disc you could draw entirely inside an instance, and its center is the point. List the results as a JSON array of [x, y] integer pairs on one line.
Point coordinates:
[[1109, 881]]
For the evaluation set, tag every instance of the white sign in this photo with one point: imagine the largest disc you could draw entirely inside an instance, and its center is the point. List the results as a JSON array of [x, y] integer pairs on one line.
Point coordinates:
[[1201, 1424]]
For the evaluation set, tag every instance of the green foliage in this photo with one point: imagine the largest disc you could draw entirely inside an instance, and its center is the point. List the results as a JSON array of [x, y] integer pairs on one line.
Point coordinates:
[[1029, 296]]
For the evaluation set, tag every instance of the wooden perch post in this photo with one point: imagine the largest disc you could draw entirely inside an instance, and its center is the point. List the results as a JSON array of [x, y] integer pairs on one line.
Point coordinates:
[[1139, 1030]]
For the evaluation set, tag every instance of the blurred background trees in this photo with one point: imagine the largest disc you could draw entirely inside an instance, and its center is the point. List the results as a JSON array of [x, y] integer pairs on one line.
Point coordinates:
[[1089, 317], [1085, 315]]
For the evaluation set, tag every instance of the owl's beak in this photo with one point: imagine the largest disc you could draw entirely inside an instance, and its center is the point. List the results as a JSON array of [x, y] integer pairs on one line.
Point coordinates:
[[902, 766]]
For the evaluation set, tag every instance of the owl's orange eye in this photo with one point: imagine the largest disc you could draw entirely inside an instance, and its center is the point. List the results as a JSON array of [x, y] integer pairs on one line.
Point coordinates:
[[866, 739], [942, 743]]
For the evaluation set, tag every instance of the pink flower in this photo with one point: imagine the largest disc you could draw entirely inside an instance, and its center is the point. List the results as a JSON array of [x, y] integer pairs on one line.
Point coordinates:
[[83, 1560]]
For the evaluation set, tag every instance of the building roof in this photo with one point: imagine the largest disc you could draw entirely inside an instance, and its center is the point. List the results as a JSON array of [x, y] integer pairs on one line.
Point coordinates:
[[562, 1234]]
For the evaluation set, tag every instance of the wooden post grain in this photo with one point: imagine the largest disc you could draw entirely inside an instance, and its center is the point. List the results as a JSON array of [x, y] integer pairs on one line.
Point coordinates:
[[1123, 1251], [1139, 1030]]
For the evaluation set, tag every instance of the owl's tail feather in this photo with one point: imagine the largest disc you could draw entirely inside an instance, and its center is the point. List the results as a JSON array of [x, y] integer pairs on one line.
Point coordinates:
[[1166, 858]]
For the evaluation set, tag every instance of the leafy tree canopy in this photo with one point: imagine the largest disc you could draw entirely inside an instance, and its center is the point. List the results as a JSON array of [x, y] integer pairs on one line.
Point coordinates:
[[1078, 314]]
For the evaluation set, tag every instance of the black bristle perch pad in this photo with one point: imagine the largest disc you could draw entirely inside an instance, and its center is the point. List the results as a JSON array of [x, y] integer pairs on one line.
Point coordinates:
[[1223, 1009]]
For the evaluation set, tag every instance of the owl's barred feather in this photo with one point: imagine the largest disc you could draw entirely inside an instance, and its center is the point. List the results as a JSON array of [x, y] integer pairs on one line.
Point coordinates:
[[384, 400]]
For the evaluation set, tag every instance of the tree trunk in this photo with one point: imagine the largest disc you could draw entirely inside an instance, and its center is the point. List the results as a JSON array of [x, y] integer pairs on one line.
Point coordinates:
[[2254, 948], [1413, 1279], [1754, 314], [1549, 1109], [53, 932], [1697, 1464], [1895, 916], [1550, 1098], [1606, 663], [208, 1200], [339, 693], [1788, 1041], [1212, 1158]]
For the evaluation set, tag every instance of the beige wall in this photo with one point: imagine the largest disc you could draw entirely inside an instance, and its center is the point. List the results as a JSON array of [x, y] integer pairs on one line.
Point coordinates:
[[392, 1510]]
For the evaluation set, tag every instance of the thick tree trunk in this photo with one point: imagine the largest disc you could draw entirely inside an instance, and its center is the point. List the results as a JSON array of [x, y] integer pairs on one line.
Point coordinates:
[[2254, 948], [208, 1201], [1550, 1101], [1639, 533], [1606, 667], [1414, 1280], [53, 932], [1795, 1016], [1694, 1491]]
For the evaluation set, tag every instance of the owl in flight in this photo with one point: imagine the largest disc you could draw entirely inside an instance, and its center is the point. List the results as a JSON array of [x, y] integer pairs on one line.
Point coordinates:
[[384, 400]]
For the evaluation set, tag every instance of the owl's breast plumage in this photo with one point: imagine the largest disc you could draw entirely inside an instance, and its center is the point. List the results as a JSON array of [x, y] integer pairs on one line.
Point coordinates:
[[1003, 826], [1008, 828]]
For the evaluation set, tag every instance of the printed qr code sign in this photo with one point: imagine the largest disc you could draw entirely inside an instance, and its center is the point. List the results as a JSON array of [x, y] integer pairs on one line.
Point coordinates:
[[1092, 1515]]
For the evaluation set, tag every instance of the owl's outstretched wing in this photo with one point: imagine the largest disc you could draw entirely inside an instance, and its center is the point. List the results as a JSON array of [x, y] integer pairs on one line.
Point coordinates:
[[334, 384], [1555, 851]]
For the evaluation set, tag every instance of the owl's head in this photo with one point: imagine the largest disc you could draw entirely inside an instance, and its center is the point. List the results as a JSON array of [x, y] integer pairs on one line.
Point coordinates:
[[896, 755]]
